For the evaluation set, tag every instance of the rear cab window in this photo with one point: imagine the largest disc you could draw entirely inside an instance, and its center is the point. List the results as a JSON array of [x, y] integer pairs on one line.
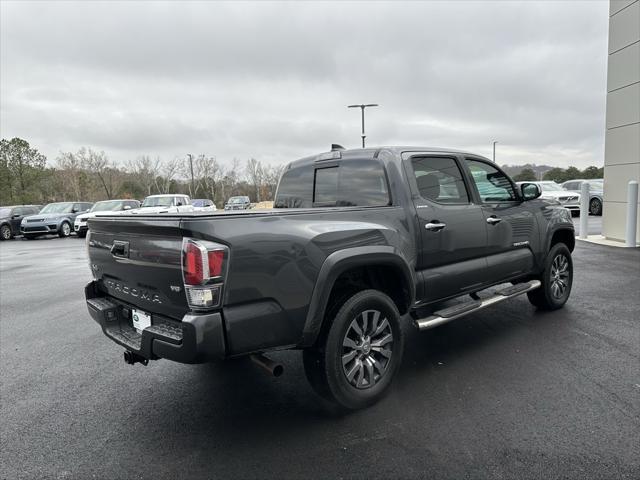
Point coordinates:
[[347, 183]]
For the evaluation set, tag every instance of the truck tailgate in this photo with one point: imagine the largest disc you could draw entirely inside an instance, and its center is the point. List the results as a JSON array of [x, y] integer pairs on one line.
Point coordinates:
[[138, 261]]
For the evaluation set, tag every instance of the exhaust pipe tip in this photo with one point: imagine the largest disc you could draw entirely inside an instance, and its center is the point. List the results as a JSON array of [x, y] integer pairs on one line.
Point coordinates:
[[274, 368]]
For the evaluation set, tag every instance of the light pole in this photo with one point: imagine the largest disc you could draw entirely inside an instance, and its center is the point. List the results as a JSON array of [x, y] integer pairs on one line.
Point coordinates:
[[191, 169], [494, 151], [362, 107]]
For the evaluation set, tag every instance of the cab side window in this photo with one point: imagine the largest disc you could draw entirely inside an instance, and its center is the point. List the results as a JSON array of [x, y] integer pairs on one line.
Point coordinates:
[[439, 179], [492, 184]]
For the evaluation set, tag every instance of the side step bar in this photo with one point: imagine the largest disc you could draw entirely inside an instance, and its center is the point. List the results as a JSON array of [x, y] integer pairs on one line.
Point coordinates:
[[457, 311]]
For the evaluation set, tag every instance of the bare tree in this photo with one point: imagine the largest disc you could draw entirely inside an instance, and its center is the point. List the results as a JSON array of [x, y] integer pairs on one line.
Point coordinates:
[[145, 171], [209, 173], [102, 170], [73, 166], [168, 171], [255, 175], [270, 181]]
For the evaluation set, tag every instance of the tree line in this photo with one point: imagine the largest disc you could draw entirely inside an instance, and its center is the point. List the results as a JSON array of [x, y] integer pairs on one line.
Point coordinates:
[[560, 175], [89, 175]]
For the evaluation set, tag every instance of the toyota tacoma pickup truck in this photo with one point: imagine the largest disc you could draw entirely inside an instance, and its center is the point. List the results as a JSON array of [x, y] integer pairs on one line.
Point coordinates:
[[358, 242]]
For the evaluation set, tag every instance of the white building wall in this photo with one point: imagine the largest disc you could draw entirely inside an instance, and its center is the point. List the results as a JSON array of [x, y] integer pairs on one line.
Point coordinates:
[[622, 141]]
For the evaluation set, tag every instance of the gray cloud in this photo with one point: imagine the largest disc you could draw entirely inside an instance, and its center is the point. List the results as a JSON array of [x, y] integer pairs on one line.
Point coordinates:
[[271, 80]]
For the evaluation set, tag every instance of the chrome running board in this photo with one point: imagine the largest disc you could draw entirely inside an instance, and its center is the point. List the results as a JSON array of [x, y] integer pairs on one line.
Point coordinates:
[[462, 309]]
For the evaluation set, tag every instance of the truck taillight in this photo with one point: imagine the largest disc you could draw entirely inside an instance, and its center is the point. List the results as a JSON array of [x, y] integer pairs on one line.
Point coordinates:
[[203, 270], [192, 264]]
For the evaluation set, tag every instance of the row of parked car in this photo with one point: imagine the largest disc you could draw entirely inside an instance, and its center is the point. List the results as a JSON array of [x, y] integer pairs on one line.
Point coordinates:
[[63, 218], [568, 194]]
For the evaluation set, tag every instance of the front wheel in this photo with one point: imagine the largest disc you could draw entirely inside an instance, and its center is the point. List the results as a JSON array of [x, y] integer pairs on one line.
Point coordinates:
[[5, 232], [356, 359], [556, 280], [595, 207], [65, 230]]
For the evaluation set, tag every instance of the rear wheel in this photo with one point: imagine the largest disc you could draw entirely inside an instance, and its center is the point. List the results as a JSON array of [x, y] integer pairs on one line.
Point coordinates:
[[595, 207], [5, 232], [556, 280], [65, 230], [356, 359]]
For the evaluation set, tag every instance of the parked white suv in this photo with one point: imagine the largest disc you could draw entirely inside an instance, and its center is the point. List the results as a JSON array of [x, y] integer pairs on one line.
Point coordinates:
[[167, 203]]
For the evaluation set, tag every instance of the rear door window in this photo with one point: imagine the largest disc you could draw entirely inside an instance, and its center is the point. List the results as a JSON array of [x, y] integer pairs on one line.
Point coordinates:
[[439, 179]]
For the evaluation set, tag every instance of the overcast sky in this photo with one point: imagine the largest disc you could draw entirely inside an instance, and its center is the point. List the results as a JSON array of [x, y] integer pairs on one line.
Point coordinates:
[[272, 80]]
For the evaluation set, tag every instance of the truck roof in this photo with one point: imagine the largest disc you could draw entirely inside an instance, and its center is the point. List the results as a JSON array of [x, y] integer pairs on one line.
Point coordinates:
[[372, 152]]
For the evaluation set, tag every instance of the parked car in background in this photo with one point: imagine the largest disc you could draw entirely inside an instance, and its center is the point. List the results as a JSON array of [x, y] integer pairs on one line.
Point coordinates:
[[80, 224], [165, 203], [10, 218], [596, 192], [238, 203], [553, 191], [53, 219], [203, 204]]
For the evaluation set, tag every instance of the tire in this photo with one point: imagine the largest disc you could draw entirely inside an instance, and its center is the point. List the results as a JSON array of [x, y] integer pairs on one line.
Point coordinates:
[[81, 234], [557, 279], [5, 232], [595, 207], [65, 230], [357, 357]]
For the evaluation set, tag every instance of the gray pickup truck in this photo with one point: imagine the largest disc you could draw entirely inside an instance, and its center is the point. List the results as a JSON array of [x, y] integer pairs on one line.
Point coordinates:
[[357, 241]]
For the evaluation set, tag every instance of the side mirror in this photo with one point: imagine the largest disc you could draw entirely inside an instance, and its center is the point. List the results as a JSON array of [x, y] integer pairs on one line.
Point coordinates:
[[530, 191], [127, 207], [17, 215], [75, 210]]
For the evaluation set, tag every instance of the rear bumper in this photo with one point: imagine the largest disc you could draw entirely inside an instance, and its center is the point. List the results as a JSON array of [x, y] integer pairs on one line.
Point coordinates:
[[196, 339]]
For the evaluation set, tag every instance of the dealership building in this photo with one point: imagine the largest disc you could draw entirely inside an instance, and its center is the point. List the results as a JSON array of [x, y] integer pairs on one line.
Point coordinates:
[[622, 141]]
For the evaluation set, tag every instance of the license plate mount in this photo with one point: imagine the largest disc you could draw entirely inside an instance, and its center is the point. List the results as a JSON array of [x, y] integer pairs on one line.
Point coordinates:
[[140, 320]]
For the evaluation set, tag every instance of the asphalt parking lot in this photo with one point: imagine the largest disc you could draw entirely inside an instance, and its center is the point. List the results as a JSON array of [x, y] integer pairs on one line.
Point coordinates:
[[504, 393]]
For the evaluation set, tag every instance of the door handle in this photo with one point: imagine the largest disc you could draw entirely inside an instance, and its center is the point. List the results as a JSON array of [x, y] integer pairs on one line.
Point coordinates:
[[435, 226], [493, 220]]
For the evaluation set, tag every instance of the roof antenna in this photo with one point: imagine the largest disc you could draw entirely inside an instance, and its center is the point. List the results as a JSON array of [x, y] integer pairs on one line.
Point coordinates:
[[336, 147]]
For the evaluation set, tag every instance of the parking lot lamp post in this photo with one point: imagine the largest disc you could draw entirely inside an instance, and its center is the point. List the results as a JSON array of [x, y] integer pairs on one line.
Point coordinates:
[[362, 107], [191, 169]]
